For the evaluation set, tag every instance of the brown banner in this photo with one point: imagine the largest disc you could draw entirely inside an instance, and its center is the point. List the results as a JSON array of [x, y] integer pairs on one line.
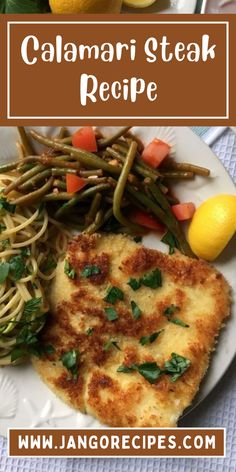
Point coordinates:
[[176, 442], [116, 69]]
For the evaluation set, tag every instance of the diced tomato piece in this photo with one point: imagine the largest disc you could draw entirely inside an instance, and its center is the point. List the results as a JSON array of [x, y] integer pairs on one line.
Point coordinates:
[[144, 219], [155, 152], [74, 183], [184, 211], [85, 139]]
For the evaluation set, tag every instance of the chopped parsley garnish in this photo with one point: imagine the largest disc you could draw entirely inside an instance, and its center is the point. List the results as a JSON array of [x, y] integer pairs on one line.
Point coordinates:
[[135, 310], [170, 310], [179, 322], [89, 331], [138, 239], [151, 338], [17, 267], [151, 279], [176, 366], [49, 265], [69, 271], [90, 270], [32, 306], [70, 361], [114, 294], [26, 336], [110, 344], [125, 369], [2, 227], [4, 271], [6, 206], [134, 284], [111, 313], [5, 243], [25, 252], [17, 353], [26, 343], [170, 240], [149, 370]]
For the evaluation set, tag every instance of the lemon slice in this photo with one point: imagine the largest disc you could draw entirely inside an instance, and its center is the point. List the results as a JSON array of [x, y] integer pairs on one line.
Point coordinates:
[[138, 3], [212, 227]]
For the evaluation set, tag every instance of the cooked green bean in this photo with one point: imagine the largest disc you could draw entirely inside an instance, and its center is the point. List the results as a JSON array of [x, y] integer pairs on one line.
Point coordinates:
[[62, 133], [87, 159], [35, 180], [8, 167], [91, 173], [96, 225], [79, 197], [138, 169], [52, 162], [162, 187], [23, 178], [34, 196], [67, 140], [186, 168], [138, 160], [120, 188], [131, 137], [24, 168], [104, 142], [90, 180], [95, 205], [174, 225], [169, 222], [28, 147], [108, 215], [58, 171], [20, 150], [96, 180], [59, 184], [58, 196], [160, 198], [172, 200], [177, 174]]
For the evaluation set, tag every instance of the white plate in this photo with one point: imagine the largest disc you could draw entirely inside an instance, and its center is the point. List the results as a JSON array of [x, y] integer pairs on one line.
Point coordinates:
[[24, 400], [166, 6]]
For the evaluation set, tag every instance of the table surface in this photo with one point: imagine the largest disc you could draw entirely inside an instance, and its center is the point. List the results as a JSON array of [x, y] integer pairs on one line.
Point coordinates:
[[217, 410]]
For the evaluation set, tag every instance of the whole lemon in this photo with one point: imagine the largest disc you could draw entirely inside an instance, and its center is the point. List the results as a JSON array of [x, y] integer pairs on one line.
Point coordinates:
[[85, 6], [212, 226]]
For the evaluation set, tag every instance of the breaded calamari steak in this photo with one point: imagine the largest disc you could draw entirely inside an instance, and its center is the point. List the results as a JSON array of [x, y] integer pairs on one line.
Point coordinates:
[[192, 291]]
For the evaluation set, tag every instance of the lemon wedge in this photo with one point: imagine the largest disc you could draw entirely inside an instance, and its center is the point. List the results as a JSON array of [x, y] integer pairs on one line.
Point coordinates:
[[212, 226], [85, 6], [138, 3]]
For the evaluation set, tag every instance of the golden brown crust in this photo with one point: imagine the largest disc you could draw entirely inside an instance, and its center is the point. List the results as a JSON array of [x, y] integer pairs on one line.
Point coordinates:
[[119, 399]]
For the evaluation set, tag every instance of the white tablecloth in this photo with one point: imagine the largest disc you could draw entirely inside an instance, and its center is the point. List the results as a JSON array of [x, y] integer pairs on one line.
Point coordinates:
[[219, 409]]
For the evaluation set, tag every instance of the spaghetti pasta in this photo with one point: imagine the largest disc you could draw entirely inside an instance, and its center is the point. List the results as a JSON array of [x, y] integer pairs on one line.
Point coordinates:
[[31, 243]]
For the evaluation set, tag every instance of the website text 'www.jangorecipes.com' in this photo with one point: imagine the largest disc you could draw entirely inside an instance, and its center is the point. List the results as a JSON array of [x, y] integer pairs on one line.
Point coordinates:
[[181, 442]]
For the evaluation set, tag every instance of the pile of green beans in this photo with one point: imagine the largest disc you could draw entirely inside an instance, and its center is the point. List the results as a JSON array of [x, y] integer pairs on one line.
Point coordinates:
[[116, 181]]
